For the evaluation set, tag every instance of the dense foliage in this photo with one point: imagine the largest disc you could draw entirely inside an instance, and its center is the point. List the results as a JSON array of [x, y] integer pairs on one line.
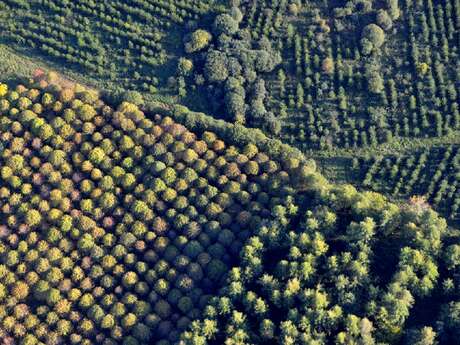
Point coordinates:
[[116, 228], [352, 74], [350, 268]]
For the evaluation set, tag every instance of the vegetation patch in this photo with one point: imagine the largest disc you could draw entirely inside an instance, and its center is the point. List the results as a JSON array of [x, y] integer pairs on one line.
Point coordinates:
[[117, 227]]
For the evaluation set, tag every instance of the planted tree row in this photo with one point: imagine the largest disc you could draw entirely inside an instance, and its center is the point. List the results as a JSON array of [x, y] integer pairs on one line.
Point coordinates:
[[432, 173]]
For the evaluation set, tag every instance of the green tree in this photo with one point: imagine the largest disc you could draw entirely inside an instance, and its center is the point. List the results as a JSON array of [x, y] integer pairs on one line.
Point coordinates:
[[225, 24], [108, 322], [215, 68], [33, 218], [424, 336], [199, 40], [20, 290], [374, 34], [384, 20]]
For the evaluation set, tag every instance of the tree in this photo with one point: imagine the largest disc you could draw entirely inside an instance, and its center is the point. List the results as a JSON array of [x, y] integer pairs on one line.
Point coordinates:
[[452, 256], [236, 107], [215, 68], [3, 89], [328, 65], [199, 40], [397, 302], [162, 308], [384, 20], [293, 9], [97, 155], [299, 95], [108, 322], [33, 218], [225, 24], [375, 82], [86, 242], [130, 279], [66, 95], [20, 290], [236, 14], [126, 143], [29, 339], [184, 66], [267, 329], [189, 156], [422, 68], [450, 323], [424, 336], [86, 112], [374, 34], [393, 9], [185, 304], [366, 46], [86, 301], [133, 97], [266, 60]]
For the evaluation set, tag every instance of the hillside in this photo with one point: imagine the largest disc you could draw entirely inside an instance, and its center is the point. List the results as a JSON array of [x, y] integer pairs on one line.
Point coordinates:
[[120, 228], [349, 84], [229, 172], [115, 225]]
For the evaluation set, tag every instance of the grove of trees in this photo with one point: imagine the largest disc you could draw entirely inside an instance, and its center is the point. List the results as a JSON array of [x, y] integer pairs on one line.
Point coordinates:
[[115, 227]]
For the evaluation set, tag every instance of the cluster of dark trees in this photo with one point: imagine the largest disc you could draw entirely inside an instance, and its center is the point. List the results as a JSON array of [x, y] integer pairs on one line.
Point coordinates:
[[232, 69]]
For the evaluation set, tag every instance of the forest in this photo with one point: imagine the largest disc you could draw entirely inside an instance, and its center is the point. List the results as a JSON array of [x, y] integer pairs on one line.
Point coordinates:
[[229, 172]]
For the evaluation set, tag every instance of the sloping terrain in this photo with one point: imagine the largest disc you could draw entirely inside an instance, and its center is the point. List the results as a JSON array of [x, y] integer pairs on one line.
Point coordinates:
[[341, 81], [115, 226], [118, 228], [174, 199]]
